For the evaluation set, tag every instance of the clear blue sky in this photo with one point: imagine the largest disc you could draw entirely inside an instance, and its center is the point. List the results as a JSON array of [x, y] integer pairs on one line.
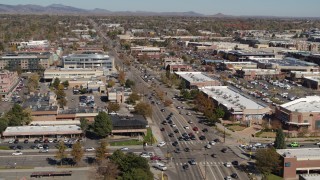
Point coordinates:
[[296, 8]]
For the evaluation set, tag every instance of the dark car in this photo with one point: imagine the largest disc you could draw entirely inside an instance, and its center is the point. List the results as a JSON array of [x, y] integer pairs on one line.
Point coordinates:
[[162, 110], [16, 141], [187, 138], [170, 122], [177, 150], [213, 155], [46, 141], [180, 138], [234, 175], [20, 147], [36, 141], [184, 134], [224, 150], [33, 147], [45, 146], [216, 140], [205, 130], [175, 143], [192, 162], [186, 149], [236, 163], [40, 140], [176, 131], [13, 147], [171, 135], [193, 137], [26, 141], [162, 129], [55, 141], [185, 167], [202, 137], [164, 122]]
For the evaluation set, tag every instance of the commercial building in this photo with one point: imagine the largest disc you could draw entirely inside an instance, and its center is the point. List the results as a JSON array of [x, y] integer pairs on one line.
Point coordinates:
[[26, 62], [8, 82], [233, 66], [151, 52], [251, 74], [129, 125], [237, 55], [237, 106], [119, 95], [50, 74], [93, 61], [178, 68], [195, 80], [299, 75], [299, 161], [312, 82], [171, 60], [302, 113]]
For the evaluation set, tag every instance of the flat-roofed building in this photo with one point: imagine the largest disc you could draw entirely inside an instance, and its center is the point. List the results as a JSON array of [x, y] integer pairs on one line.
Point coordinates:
[[119, 95], [195, 80], [151, 52], [312, 82], [236, 55], [299, 161], [63, 73], [129, 125], [233, 66], [8, 82], [178, 68], [26, 62], [56, 131], [168, 61], [251, 74], [302, 113], [91, 61], [236, 105], [299, 75]]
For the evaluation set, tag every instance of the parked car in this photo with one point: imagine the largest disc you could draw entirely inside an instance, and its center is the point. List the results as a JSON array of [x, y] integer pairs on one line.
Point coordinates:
[[160, 166], [192, 162], [185, 166], [294, 144], [161, 144], [228, 164], [90, 149], [202, 137], [155, 158], [26, 141], [43, 151], [234, 175], [124, 149], [195, 128]]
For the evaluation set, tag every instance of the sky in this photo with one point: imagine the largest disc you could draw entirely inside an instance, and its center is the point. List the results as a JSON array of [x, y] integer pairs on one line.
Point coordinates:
[[291, 8]]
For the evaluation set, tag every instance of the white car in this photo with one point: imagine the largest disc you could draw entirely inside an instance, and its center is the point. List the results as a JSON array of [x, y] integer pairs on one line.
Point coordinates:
[[145, 155], [318, 143], [228, 164], [187, 127], [17, 153], [50, 140], [208, 146], [90, 149], [212, 143], [227, 178], [10, 141], [189, 113], [161, 144], [124, 149], [173, 125]]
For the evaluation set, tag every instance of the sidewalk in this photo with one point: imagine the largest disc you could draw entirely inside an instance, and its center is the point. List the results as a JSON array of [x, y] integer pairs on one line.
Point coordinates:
[[39, 169]]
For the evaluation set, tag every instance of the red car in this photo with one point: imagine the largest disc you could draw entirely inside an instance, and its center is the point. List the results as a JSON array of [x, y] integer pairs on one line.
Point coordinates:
[[155, 158], [162, 129], [195, 129]]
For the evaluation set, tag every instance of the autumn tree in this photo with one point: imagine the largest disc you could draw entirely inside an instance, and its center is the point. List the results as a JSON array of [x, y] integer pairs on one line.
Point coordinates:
[[33, 82], [61, 152], [77, 152], [133, 97], [167, 102], [144, 109], [113, 107], [102, 152], [122, 77], [110, 83], [203, 103]]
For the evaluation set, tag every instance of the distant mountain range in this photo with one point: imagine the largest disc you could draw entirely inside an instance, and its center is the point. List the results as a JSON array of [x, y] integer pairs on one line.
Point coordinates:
[[62, 9]]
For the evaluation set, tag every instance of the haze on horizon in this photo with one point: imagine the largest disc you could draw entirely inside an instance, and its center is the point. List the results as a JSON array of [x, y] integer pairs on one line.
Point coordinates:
[[287, 8]]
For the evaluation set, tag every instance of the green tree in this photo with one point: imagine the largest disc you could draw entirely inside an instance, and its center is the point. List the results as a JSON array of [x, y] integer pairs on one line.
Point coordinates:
[[185, 94], [84, 124], [61, 153], [137, 173], [33, 82], [194, 93], [144, 109], [267, 160], [66, 83], [113, 107], [102, 125], [111, 83], [56, 83], [3, 124], [182, 85], [279, 142], [17, 116], [129, 83], [101, 152], [219, 112], [62, 102], [77, 152]]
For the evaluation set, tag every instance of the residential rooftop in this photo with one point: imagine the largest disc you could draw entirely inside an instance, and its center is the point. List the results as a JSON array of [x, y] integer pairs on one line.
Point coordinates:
[[301, 153], [306, 104], [193, 77]]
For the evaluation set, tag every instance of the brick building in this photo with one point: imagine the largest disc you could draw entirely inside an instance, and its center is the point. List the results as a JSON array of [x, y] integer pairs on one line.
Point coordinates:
[[8, 82]]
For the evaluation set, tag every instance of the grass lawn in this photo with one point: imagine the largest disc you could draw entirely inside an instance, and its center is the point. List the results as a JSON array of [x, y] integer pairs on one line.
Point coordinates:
[[4, 148], [268, 134], [273, 177], [149, 137], [126, 143], [236, 127]]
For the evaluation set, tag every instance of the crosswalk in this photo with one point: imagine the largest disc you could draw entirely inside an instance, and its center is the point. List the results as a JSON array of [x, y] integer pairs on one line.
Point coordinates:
[[205, 163]]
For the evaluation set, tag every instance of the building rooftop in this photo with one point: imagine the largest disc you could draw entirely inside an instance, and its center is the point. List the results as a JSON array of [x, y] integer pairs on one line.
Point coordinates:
[[306, 104], [309, 176], [287, 61], [301, 153], [96, 55], [313, 78], [193, 77], [231, 98], [42, 130], [136, 121]]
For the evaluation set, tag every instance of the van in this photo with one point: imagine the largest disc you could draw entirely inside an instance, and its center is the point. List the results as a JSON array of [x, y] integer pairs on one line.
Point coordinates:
[[160, 166]]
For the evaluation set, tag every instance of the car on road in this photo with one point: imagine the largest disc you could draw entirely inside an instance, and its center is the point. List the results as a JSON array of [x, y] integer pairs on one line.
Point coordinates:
[[208, 146], [43, 151], [162, 129], [17, 153], [176, 131], [162, 110], [294, 144], [185, 166], [173, 125], [234, 175], [155, 158], [186, 127], [177, 150], [224, 150], [228, 164], [202, 137], [124, 149], [192, 162], [161, 144], [227, 178], [171, 135], [186, 149], [212, 143], [235, 163], [190, 122], [160, 166], [90, 149], [195, 128], [205, 130]]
